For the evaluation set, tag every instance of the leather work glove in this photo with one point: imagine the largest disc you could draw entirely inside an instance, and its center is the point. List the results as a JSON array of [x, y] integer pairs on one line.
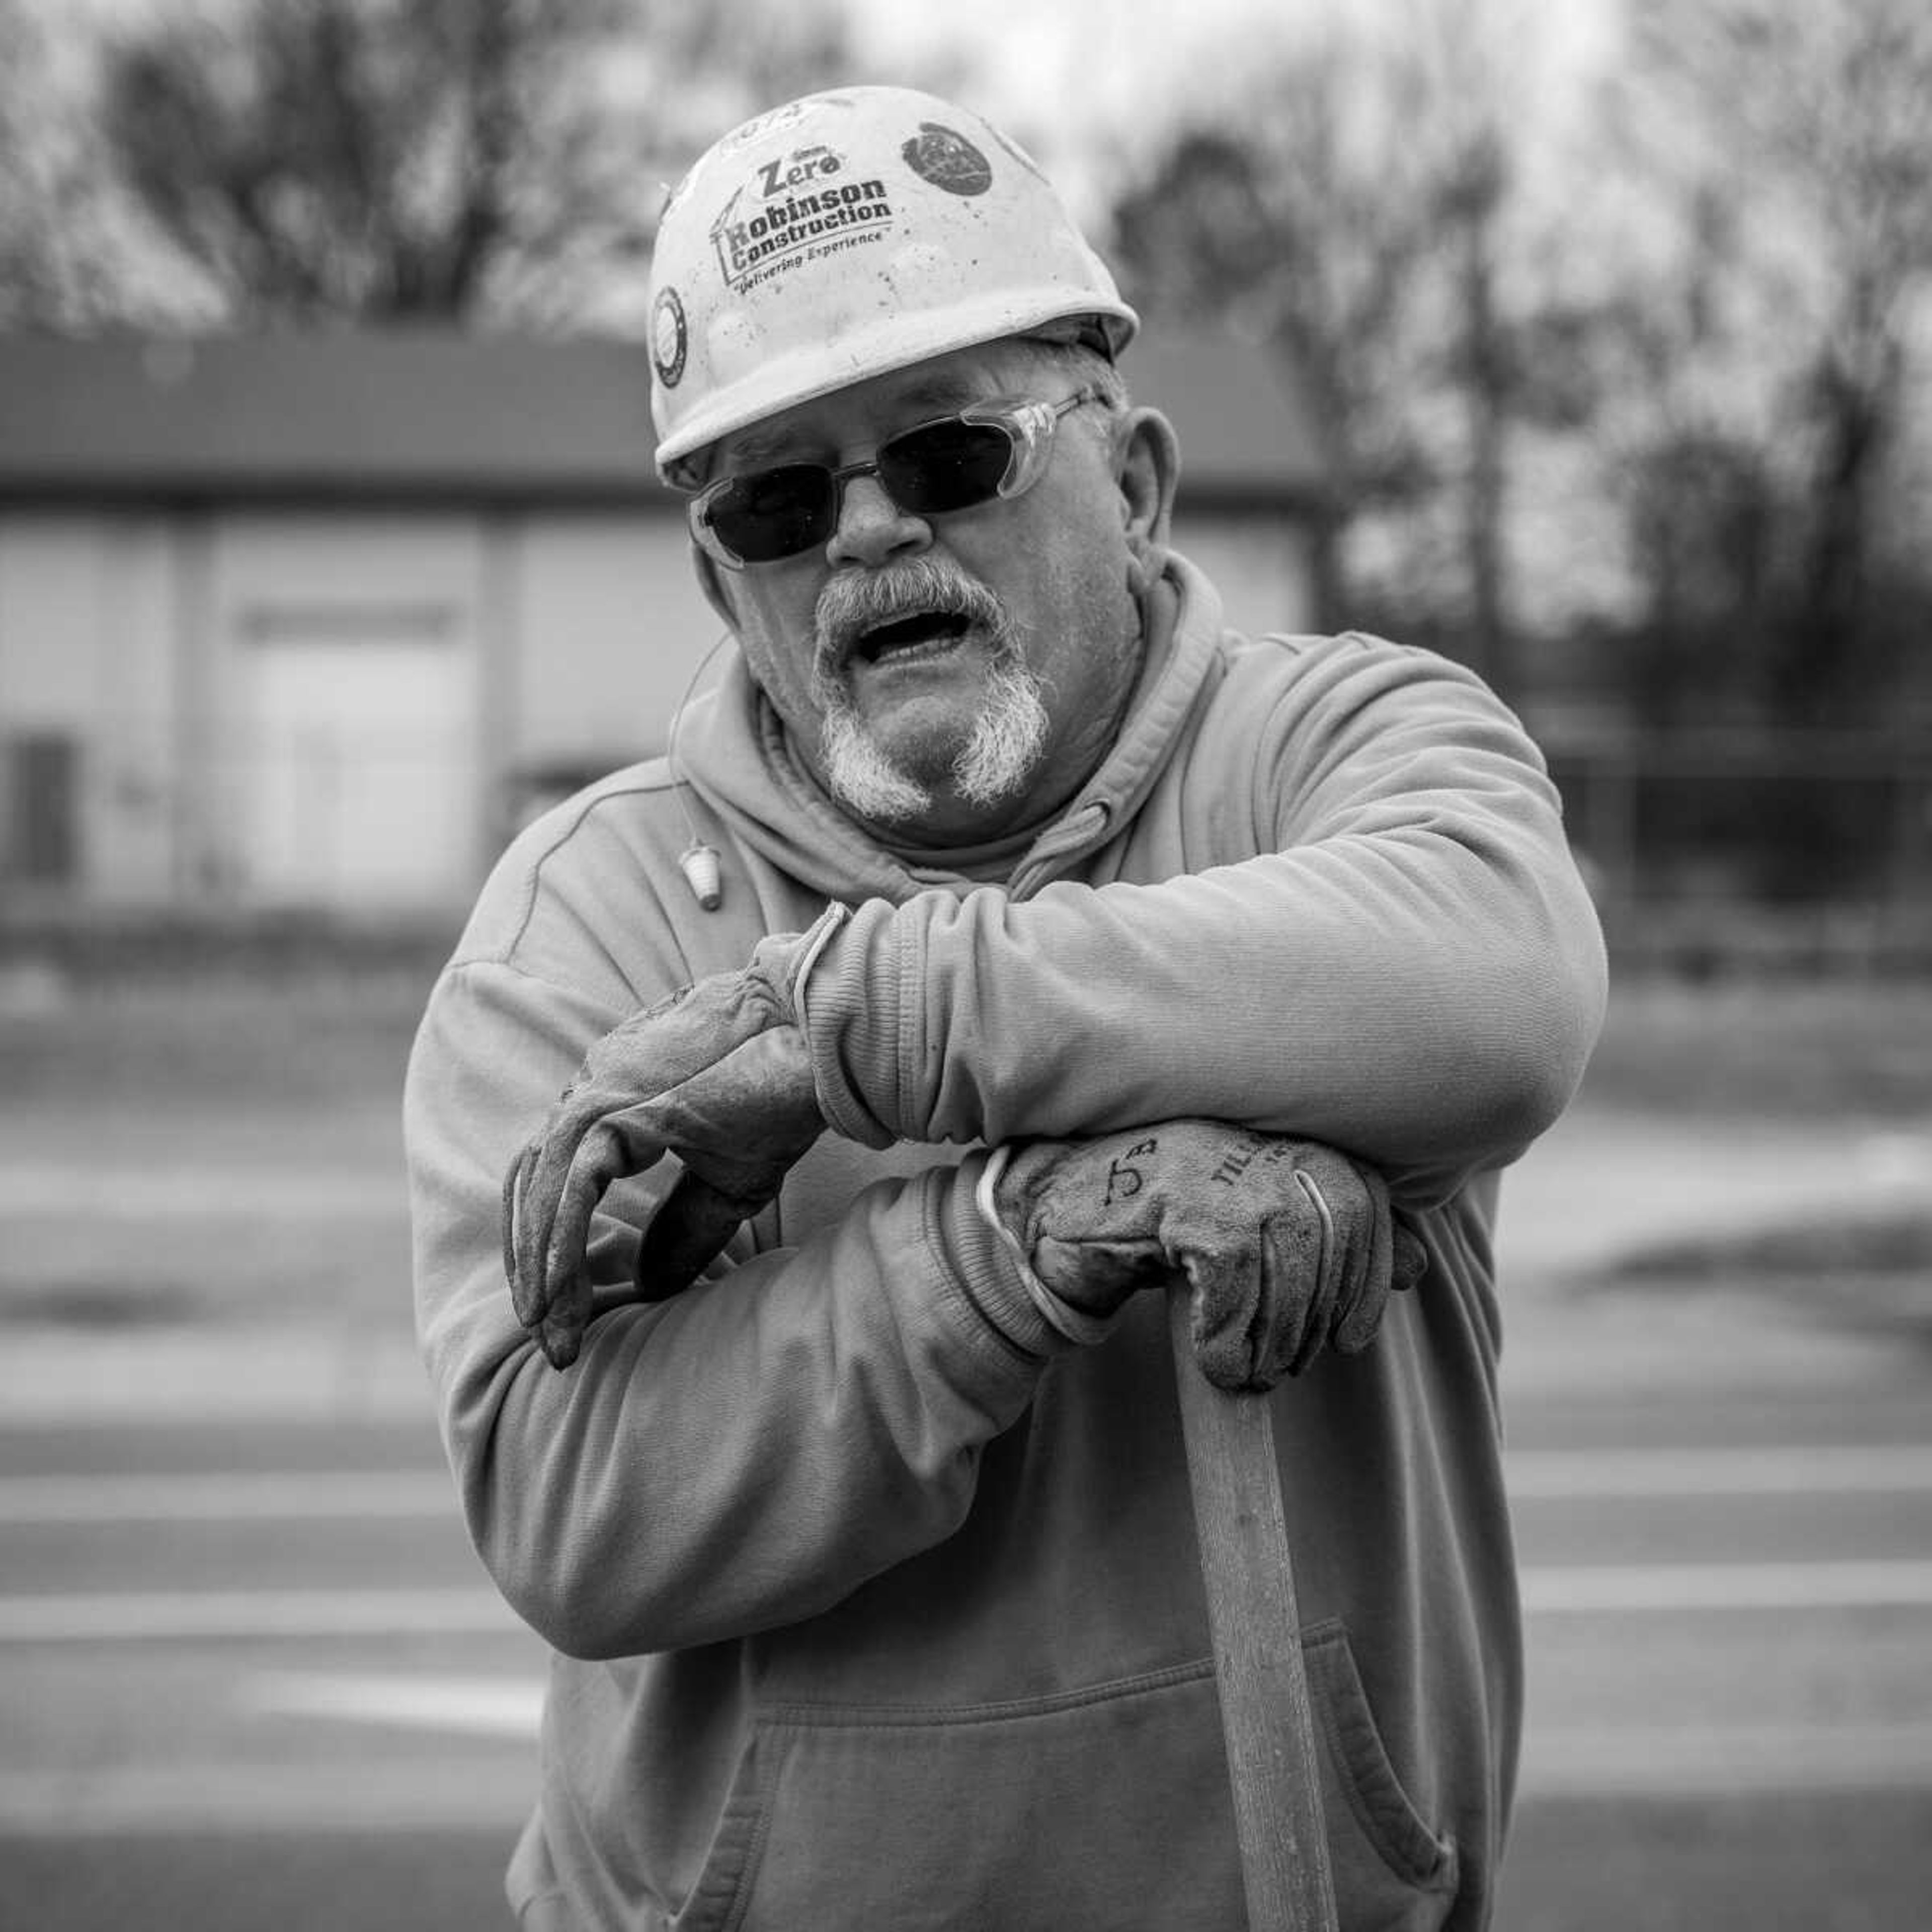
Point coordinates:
[[719, 1074], [1287, 1247]]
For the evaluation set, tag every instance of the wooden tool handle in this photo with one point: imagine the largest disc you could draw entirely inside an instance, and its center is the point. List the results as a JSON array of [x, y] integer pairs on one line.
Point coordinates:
[[1266, 1719]]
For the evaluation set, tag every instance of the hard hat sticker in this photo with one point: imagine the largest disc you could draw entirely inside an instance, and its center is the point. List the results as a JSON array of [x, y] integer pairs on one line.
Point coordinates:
[[798, 205], [762, 124], [669, 338], [947, 160]]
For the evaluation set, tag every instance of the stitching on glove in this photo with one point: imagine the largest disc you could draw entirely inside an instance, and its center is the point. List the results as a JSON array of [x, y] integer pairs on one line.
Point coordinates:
[[1312, 1188]]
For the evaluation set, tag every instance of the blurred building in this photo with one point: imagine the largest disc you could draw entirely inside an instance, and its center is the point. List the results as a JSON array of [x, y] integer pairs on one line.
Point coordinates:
[[315, 621]]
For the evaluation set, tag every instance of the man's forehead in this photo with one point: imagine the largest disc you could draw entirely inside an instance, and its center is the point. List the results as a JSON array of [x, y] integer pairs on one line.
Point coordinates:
[[877, 406]]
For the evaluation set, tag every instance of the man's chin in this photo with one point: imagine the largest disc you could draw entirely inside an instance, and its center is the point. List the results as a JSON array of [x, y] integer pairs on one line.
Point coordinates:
[[908, 750], [921, 735], [866, 780]]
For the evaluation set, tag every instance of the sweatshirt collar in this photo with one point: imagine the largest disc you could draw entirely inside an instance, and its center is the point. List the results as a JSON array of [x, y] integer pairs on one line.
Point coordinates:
[[735, 754]]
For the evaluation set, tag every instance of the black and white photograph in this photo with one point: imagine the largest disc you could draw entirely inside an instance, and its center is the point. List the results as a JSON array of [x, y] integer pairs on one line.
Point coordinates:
[[965, 969]]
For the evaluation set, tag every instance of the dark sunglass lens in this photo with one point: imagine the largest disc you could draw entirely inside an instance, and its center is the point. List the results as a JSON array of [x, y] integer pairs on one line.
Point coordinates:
[[948, 466], [775, 513]]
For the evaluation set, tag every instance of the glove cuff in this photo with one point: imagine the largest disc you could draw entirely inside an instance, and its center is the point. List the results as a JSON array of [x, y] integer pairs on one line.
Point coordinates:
[[1075, 1324], [801, 954], [835, 1096]]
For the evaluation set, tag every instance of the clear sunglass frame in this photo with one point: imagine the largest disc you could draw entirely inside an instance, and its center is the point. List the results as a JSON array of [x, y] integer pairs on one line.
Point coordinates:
[[1029, 424]]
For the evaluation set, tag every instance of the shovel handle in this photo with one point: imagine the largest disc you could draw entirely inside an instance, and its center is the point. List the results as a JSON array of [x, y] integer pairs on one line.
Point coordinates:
[[1267, 1721]]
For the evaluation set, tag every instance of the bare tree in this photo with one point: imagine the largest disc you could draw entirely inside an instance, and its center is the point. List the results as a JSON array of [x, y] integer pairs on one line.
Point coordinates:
[[1354, 207], [56, 245], [490, 161], [1286, 211], [1799, 141], [1469, 137]]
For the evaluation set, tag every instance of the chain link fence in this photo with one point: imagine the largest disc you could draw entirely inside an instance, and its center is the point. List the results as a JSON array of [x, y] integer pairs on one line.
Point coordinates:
[[1725, 849]]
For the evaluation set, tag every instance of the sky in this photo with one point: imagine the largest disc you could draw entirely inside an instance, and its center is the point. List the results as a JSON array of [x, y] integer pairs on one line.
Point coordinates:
[[1078, 77], [1077, 80]]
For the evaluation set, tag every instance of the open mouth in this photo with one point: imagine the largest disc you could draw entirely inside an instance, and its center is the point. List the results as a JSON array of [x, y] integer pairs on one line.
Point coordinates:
[[908, 633]]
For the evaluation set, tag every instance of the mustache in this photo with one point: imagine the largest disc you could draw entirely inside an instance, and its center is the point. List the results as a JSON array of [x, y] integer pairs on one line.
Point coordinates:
[[855, 601]]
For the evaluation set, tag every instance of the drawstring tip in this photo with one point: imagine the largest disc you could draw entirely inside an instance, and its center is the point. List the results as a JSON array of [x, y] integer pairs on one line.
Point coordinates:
[[699, 864]]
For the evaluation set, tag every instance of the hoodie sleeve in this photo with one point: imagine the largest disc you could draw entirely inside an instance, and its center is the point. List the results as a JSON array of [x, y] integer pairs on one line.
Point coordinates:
[[1399, 957], [743, 1456]]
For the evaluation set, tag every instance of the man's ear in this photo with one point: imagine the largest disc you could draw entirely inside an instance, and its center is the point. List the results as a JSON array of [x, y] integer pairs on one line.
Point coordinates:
[[1149, 460], [711, 580]]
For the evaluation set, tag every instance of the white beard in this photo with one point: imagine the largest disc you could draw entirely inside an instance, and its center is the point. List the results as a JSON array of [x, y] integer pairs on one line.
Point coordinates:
[[997, 758]]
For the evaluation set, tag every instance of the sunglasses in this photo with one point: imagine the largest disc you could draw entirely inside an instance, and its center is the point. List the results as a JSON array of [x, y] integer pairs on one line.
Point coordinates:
[[999, 448]]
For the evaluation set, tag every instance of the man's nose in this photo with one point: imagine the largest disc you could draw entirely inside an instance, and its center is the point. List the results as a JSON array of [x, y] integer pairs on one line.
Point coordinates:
[[871, 528]]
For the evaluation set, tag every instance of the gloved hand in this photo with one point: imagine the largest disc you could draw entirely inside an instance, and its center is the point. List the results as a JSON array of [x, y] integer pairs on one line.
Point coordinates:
[[717, 1074], [1287, 1245]]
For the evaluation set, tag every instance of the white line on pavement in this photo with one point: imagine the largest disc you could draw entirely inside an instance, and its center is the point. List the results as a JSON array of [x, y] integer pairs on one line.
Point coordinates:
[[479, 1706], [1572, 1474], [1876, 1584], [131, 1616], [474, 1792], [134, 1616], [159, 1193], [238, 1497], [1533, 1475], [1723, 1760]]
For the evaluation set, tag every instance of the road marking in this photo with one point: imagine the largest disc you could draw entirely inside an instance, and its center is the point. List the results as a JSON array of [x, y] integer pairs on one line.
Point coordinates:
[[1586, 1589], [482, 1792], [134, 1616], [155, 1192], [1572, 1474], [1532, 1475], [477, 1706], [1697, 1759], [243, 1496]]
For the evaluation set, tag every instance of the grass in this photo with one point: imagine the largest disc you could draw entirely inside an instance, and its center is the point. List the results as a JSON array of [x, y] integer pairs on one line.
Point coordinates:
[[1829, 1051]]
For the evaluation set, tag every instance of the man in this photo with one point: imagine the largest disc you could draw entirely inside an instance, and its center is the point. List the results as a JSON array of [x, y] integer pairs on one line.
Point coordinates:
[[1040, 940]]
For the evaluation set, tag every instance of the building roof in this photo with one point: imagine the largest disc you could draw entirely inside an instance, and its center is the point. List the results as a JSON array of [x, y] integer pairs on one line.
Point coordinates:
[[422, 415]]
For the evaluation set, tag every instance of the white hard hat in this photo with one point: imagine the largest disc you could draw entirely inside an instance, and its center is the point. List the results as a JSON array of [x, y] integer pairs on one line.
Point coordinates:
[[846, 234]]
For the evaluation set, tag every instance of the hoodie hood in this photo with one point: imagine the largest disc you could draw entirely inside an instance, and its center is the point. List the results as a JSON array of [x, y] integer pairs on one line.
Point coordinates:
[[733, 751]]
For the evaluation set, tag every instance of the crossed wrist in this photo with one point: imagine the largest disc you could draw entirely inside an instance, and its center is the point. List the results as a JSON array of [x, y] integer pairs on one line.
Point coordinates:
[[830, 993], [1075, 1325]]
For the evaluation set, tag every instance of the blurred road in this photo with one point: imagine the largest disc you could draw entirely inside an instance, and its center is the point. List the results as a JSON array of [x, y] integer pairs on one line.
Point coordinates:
[[250, 1675]]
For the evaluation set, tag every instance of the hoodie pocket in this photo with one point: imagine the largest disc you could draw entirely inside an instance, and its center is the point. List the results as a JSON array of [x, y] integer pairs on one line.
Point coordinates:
[[1089, 1812], [1391, 1871]]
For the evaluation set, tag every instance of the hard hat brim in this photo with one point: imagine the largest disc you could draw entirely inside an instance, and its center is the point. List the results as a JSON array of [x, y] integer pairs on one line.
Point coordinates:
[[893, 342]]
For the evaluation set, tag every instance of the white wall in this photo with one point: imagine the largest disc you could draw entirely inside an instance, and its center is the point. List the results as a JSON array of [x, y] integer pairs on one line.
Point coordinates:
[[343, 681], [1260, 564], [611, 625], [85, 620], [330, 707]]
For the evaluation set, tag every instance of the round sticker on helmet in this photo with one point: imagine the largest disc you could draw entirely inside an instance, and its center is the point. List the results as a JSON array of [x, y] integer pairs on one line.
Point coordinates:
[[947, 160], [668, 339]]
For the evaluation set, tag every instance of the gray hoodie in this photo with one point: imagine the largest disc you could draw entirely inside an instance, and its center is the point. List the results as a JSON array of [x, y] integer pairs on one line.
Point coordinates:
[[873, 1600]]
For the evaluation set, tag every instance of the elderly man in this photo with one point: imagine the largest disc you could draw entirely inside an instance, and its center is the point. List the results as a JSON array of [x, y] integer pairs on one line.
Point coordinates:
[[1002, 938]]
